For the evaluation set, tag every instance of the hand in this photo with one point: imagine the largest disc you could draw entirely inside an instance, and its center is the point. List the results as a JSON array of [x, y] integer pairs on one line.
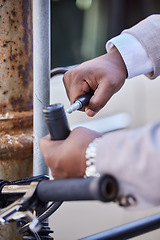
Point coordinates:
[[66, 158], [104, 75]]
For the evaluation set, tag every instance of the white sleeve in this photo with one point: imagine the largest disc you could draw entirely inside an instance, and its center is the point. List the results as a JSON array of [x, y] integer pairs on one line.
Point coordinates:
[[133, 53]]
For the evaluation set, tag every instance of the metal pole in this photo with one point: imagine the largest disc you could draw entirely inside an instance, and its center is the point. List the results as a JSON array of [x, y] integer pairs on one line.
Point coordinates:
[[41, 70]]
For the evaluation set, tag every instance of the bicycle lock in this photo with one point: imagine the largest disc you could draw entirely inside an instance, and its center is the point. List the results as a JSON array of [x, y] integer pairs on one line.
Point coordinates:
[[58, 127]]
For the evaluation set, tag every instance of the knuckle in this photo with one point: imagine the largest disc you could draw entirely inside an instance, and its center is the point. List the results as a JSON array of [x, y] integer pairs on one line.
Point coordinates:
[[112, 85]]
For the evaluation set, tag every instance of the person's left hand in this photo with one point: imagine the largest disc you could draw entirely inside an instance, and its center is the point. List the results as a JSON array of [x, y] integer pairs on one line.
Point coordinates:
[[66, 158]]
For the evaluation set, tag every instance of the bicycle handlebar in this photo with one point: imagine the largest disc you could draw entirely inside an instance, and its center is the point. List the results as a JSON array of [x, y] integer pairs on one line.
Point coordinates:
[[102, 188]]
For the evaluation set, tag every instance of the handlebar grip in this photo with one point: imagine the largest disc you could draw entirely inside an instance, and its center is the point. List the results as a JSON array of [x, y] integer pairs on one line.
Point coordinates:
[[103, 188], [56, 121]]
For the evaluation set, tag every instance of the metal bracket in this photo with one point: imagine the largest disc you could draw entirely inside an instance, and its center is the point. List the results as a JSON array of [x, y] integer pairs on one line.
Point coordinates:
[[22, 207]]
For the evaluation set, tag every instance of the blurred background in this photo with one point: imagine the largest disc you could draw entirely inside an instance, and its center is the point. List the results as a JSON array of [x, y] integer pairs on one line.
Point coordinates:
[[79, 31]]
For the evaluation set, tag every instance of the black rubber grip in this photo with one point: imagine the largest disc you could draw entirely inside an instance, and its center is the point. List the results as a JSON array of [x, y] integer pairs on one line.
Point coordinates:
[[102, 188]]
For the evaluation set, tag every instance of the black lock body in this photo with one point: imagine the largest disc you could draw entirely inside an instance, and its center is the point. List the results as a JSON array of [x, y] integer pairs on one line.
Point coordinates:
[[57, 122]]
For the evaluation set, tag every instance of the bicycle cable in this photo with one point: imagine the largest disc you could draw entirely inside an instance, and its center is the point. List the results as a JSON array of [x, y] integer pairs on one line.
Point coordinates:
[[36, 235], [49, 211]]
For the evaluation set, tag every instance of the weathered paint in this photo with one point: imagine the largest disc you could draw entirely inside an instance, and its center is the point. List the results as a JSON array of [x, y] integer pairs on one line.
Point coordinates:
[[16, 66], [16, 79], [16, 94]]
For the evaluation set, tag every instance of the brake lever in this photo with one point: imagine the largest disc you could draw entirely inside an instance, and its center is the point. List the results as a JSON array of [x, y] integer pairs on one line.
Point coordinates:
[[19, 209]]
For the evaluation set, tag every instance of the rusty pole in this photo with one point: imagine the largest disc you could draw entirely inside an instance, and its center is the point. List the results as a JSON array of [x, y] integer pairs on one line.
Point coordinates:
[[16, 93]]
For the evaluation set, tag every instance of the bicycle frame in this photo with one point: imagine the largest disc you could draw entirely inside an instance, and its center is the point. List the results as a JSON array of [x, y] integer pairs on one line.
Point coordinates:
[[27, 195]]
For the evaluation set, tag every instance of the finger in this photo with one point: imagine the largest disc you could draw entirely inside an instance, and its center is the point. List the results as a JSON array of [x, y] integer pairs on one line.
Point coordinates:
[[98, 101], [76, 84], [47, 145], [89, 112], [47, 137]]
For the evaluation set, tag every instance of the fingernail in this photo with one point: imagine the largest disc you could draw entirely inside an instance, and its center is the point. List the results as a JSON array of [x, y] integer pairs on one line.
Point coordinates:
[[89, 112]]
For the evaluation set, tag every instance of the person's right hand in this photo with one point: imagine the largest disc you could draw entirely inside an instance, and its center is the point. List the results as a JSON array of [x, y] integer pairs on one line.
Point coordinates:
[[104, 75]]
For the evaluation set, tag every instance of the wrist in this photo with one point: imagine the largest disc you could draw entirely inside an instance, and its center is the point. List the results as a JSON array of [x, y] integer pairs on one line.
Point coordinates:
[[118, 60]]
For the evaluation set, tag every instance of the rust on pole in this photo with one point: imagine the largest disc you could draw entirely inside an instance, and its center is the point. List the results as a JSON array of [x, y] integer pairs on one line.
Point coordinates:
[[16, 82], [16, 92]]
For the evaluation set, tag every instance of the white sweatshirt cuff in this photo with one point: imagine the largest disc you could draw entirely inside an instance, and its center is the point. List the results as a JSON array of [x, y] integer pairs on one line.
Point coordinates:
[[133, 53]]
